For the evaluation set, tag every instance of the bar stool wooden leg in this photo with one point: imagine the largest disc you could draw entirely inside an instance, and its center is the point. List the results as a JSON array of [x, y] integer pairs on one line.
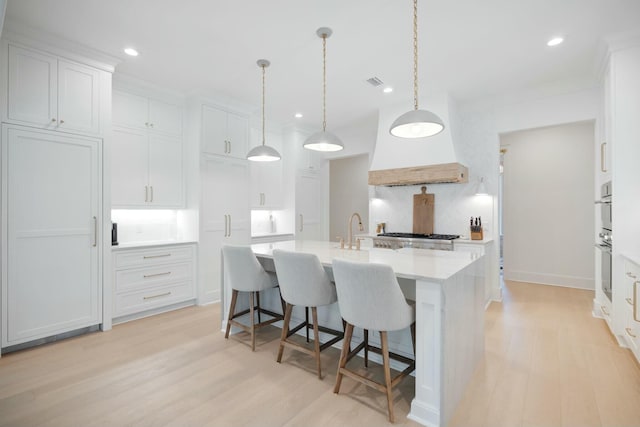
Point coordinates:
[[366, 348], [232, 309], [344, 355], [387, 372], [285, 330], [252, 318], [316, 339]]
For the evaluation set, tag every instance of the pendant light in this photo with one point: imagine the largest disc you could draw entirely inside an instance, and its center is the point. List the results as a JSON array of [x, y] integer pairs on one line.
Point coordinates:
[[416, 123], [323, 140], [263, 153]]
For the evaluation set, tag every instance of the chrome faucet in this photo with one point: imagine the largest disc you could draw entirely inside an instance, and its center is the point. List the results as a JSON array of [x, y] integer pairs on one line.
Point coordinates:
[[361, 228]]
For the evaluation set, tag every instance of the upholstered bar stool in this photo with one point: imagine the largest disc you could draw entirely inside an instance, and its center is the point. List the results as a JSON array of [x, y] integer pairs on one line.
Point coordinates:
[[245, 274], [370, 298], [303, 282]]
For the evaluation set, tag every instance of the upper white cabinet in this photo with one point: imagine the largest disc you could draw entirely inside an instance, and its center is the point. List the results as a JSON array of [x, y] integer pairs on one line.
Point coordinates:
[[139, 112], [266, 177], [146, 155], [224, 133], [52, 93]]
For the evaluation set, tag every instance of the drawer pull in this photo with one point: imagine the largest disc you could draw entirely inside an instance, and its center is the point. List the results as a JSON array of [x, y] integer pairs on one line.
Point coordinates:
[[156, 256], [146, 276], [635, 301], [630, 274], [604, 310], [629, 332], [629, 301], [158, 296]]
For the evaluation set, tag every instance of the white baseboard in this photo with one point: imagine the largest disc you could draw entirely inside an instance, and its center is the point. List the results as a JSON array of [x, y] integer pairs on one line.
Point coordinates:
[[550, 279]]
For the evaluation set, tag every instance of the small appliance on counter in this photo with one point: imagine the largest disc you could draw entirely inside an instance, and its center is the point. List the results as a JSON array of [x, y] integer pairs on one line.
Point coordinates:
[[114, 234], [476, 228]]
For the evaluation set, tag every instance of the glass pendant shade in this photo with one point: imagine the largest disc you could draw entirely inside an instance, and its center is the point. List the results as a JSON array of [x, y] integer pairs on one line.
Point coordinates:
[[417, 124], [323, 141], [263, 153]]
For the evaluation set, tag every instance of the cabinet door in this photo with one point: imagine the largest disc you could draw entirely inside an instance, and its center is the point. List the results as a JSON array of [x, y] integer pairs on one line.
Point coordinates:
[[32, 88], [237, 135], [308, 206], [78, 98], [214, 131], [165, 117], [165, 171], [51, 193], [236, 198], [130, 110], [129, 168]]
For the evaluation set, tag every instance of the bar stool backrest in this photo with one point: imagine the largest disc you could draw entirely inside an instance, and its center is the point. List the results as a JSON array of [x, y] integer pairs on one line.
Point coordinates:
[[244, 271], [370, 297], [302, 279]]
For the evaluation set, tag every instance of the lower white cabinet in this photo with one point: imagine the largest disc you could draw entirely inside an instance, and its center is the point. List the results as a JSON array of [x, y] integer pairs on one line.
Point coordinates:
[[631, 313], [51, 243], [153, 278]]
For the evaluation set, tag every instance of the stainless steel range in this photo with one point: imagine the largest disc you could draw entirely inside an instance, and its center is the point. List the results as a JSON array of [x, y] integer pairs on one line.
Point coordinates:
[[443, 242]]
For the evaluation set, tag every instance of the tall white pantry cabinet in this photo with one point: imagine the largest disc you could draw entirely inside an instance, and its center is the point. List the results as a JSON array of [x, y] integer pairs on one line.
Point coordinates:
[[55, 114]]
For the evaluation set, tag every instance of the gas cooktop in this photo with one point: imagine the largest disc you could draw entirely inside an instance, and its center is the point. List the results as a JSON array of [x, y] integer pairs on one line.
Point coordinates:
[[420, 236]]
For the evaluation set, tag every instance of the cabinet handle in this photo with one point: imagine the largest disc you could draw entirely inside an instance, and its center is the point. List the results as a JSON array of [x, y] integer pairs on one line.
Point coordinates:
[[146, 124], [630, 274], [229, 225], [151, 124], [225, 226], [629, 332], [95, 231], [229, 142], [301, 222], [151, 194], [146, 193], [53, 120], [635, 301], [61, 121], [604, 310], [603, 152], [158, 296], [155, 256], [146, 276]]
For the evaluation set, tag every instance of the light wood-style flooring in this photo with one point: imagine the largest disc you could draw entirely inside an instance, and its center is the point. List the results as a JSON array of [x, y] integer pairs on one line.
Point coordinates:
[[547, 363]]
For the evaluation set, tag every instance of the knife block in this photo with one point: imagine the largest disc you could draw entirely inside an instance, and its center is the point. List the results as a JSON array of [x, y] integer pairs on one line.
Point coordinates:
[[476, 235]]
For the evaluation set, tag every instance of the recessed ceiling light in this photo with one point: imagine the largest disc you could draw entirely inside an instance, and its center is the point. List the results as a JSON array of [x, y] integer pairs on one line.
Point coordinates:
[[131, 51], [555, 41], [298, 115], [387, 90]]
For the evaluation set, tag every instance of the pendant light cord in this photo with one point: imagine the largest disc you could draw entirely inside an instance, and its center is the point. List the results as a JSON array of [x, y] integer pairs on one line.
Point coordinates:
[[263, 72], [415, 54], [324, 82]]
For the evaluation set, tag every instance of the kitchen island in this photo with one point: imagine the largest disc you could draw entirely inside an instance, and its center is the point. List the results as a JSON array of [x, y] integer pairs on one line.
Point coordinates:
[[448, 288]]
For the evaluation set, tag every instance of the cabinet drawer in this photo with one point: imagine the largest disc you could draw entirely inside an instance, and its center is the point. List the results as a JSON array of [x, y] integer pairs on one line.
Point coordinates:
[[144, 257], [133, 302], [142, 278]]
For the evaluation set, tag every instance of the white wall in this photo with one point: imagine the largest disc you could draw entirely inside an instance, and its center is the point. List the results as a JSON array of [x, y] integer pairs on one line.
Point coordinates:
[[548, 205], [349, 193]]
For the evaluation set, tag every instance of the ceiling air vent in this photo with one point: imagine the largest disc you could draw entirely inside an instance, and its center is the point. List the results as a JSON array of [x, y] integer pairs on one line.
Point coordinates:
[[374, 81]]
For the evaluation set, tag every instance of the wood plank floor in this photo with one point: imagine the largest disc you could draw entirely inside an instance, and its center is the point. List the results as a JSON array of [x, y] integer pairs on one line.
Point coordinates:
[[547, 363]]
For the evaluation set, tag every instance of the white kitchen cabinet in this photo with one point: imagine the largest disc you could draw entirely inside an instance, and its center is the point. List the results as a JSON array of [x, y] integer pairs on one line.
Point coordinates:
[[309, 213], [266, 177], [154, 279], [225, 216], [224, 133], [51, 93], [139, 112], [51, 221]]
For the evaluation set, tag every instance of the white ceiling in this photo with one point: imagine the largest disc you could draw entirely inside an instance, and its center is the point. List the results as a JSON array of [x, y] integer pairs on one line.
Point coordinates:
[[470, 48]]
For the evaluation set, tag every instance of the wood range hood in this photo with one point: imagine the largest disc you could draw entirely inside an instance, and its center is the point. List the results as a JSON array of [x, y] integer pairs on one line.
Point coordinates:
[[414, 175]]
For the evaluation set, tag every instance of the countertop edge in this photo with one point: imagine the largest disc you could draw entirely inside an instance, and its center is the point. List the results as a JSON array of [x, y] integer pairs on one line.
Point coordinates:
[[143, 245]]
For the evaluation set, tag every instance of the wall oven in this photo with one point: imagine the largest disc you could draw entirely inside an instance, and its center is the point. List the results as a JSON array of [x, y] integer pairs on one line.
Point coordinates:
[[606, 241]]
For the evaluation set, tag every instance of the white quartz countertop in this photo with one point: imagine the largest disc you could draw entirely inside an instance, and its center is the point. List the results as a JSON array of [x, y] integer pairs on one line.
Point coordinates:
[[409, 263], [151, 244]]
